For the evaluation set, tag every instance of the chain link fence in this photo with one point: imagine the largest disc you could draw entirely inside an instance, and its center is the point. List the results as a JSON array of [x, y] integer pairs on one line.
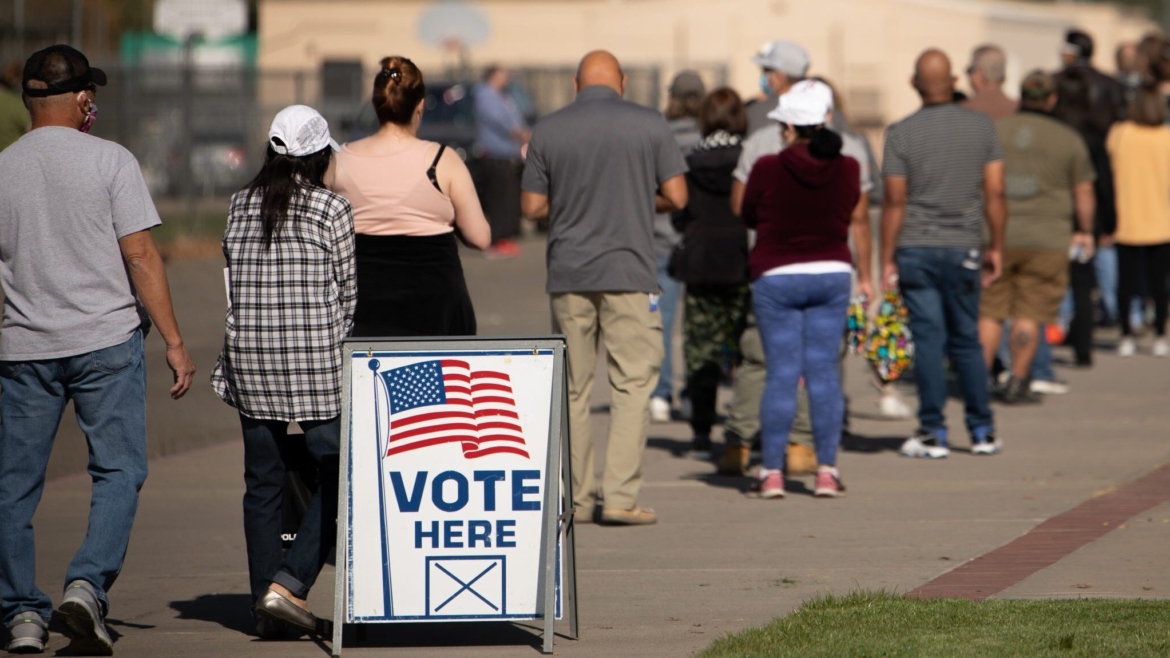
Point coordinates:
[[200, 133]]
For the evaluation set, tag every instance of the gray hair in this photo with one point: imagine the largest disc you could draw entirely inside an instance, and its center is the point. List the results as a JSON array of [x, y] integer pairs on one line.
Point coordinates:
[[991, 62]]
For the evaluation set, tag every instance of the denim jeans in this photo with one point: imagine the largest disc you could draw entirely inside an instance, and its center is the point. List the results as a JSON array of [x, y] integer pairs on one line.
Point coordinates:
[[941, 288], [1105, 268], [801, 318], [108, 389], [264, 473], [668, 307]]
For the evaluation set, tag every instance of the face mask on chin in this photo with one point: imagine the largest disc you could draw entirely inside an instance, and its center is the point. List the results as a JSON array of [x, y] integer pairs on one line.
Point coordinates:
[[90, 118]]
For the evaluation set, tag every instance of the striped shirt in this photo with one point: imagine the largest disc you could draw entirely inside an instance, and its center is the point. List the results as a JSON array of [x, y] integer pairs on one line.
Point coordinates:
[[941, 151], [290, 306]]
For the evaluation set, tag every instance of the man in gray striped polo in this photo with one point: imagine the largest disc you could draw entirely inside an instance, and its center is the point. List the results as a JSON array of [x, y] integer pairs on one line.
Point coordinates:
[[944, 175]]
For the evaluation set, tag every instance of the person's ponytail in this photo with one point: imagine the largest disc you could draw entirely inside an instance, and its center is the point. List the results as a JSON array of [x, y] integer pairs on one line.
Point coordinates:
[[824, 144]]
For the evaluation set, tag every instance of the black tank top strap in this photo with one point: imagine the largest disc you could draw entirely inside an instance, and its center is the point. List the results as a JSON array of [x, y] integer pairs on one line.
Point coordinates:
[[432, 174]]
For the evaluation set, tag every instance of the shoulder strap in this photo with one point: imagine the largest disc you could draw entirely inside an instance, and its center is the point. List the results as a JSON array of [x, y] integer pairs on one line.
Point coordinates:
[[431, 173]]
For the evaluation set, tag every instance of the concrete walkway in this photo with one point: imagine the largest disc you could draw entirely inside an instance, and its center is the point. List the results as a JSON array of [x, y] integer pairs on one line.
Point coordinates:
[[717, 562]]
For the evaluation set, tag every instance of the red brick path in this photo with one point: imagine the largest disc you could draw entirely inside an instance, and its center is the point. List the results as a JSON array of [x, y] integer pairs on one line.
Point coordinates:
[[1047, 543]]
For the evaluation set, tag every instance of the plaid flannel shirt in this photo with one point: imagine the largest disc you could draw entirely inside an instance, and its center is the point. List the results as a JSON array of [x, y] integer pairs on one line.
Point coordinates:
[[290, 305]]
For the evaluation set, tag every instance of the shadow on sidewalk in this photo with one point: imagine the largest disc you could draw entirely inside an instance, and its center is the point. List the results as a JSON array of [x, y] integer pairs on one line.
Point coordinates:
[[860, 443], [228, 610], [441, 635]]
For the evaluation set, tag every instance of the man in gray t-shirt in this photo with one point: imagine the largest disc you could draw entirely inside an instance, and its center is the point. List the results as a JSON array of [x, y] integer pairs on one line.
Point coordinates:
[[598, 170], [944, 175], [75, 247]]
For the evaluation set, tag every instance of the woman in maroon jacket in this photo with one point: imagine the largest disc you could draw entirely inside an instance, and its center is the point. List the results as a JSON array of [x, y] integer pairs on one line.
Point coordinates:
[[802, 203]]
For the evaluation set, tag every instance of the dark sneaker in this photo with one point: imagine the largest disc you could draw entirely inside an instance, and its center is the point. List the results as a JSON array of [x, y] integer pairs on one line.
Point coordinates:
[[700, 448], [84, 621], [1018, 391], [29, 634], [926, 445]]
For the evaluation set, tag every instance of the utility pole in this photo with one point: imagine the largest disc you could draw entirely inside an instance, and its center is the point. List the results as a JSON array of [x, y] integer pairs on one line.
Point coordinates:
[[18, 25], [77, 23]]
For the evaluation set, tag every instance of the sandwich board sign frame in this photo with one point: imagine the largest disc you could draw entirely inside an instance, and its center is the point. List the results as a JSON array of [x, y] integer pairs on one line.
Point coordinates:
[[455, 495]]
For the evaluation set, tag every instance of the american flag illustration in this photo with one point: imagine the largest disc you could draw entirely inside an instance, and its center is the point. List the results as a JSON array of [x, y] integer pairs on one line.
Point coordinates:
[[445, 401]]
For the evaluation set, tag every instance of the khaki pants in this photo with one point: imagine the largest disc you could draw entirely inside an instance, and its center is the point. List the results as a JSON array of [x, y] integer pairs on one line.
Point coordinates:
[[743, 417], [632, 335]]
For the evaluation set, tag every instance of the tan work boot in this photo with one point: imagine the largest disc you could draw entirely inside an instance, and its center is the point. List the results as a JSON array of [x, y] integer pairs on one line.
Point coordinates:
[[734, 460], [801, 460]]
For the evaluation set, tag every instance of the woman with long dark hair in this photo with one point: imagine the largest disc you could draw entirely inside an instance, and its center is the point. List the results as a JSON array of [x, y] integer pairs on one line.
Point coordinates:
[[409, 196], [712, 259], [802, 204], [289, 246]]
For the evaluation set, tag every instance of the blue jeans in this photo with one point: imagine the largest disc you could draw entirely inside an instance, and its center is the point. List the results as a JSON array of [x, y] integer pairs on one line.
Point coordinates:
[[941, 288], [667, 306], [108, 389], [801, 319], [264, 478], [1105, 268]]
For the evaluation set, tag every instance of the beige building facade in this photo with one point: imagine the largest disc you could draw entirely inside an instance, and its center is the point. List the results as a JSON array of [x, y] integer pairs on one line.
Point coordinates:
[[866, 47]]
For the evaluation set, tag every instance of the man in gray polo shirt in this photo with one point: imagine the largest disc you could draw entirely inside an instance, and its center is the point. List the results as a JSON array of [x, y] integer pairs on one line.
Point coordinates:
[[598, 170]]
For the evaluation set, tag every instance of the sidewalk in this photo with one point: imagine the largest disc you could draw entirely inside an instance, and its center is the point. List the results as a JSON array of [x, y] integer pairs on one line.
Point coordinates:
[[717, 562]]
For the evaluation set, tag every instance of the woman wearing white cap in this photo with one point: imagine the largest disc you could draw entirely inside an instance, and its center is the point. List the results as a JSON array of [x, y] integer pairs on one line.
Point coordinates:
[[289, 246], [802, 203]]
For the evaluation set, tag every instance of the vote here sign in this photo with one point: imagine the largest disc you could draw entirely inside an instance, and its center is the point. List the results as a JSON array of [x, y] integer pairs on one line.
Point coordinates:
[[447, 482]]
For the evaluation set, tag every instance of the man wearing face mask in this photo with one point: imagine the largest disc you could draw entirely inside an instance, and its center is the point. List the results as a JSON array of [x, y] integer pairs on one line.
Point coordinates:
[[782, 65], [75, 250]]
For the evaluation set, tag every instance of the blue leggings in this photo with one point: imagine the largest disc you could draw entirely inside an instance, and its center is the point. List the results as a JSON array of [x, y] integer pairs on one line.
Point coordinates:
[[801, 319]]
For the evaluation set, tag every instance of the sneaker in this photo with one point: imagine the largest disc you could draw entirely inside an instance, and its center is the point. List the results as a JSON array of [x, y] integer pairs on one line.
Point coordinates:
[[659, 410], [502, 250], [1017, 391], [735, 459], [893, 407], [829, 484], [84, 621], [29, 634], [700, 449], [1161, 348], [984, 442], [1126, 347], [929, 445], [770, 484], [1045, 387]]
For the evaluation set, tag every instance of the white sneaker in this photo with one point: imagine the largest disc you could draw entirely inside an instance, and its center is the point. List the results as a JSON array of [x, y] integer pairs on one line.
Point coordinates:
[[659, 410], [1126, 347], [925, 446], [1161, 347], [893, 407], [1041, 387]]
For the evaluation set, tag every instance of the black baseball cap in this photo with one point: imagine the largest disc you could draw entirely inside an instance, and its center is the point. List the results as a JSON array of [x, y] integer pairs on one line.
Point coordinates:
[[63, 68]]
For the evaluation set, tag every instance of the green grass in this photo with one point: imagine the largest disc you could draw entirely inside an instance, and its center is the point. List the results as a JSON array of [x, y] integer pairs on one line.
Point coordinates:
[[871, 624]]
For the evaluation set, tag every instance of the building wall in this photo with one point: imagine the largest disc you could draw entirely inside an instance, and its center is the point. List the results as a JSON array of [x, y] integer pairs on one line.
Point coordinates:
[[867, 47]]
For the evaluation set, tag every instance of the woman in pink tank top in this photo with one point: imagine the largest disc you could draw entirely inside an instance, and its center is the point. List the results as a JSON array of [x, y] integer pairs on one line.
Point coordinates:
[[410, 199]]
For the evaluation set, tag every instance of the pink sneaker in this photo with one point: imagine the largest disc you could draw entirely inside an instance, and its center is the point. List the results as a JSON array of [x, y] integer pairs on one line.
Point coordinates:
[[829, 484], [771, 485]]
